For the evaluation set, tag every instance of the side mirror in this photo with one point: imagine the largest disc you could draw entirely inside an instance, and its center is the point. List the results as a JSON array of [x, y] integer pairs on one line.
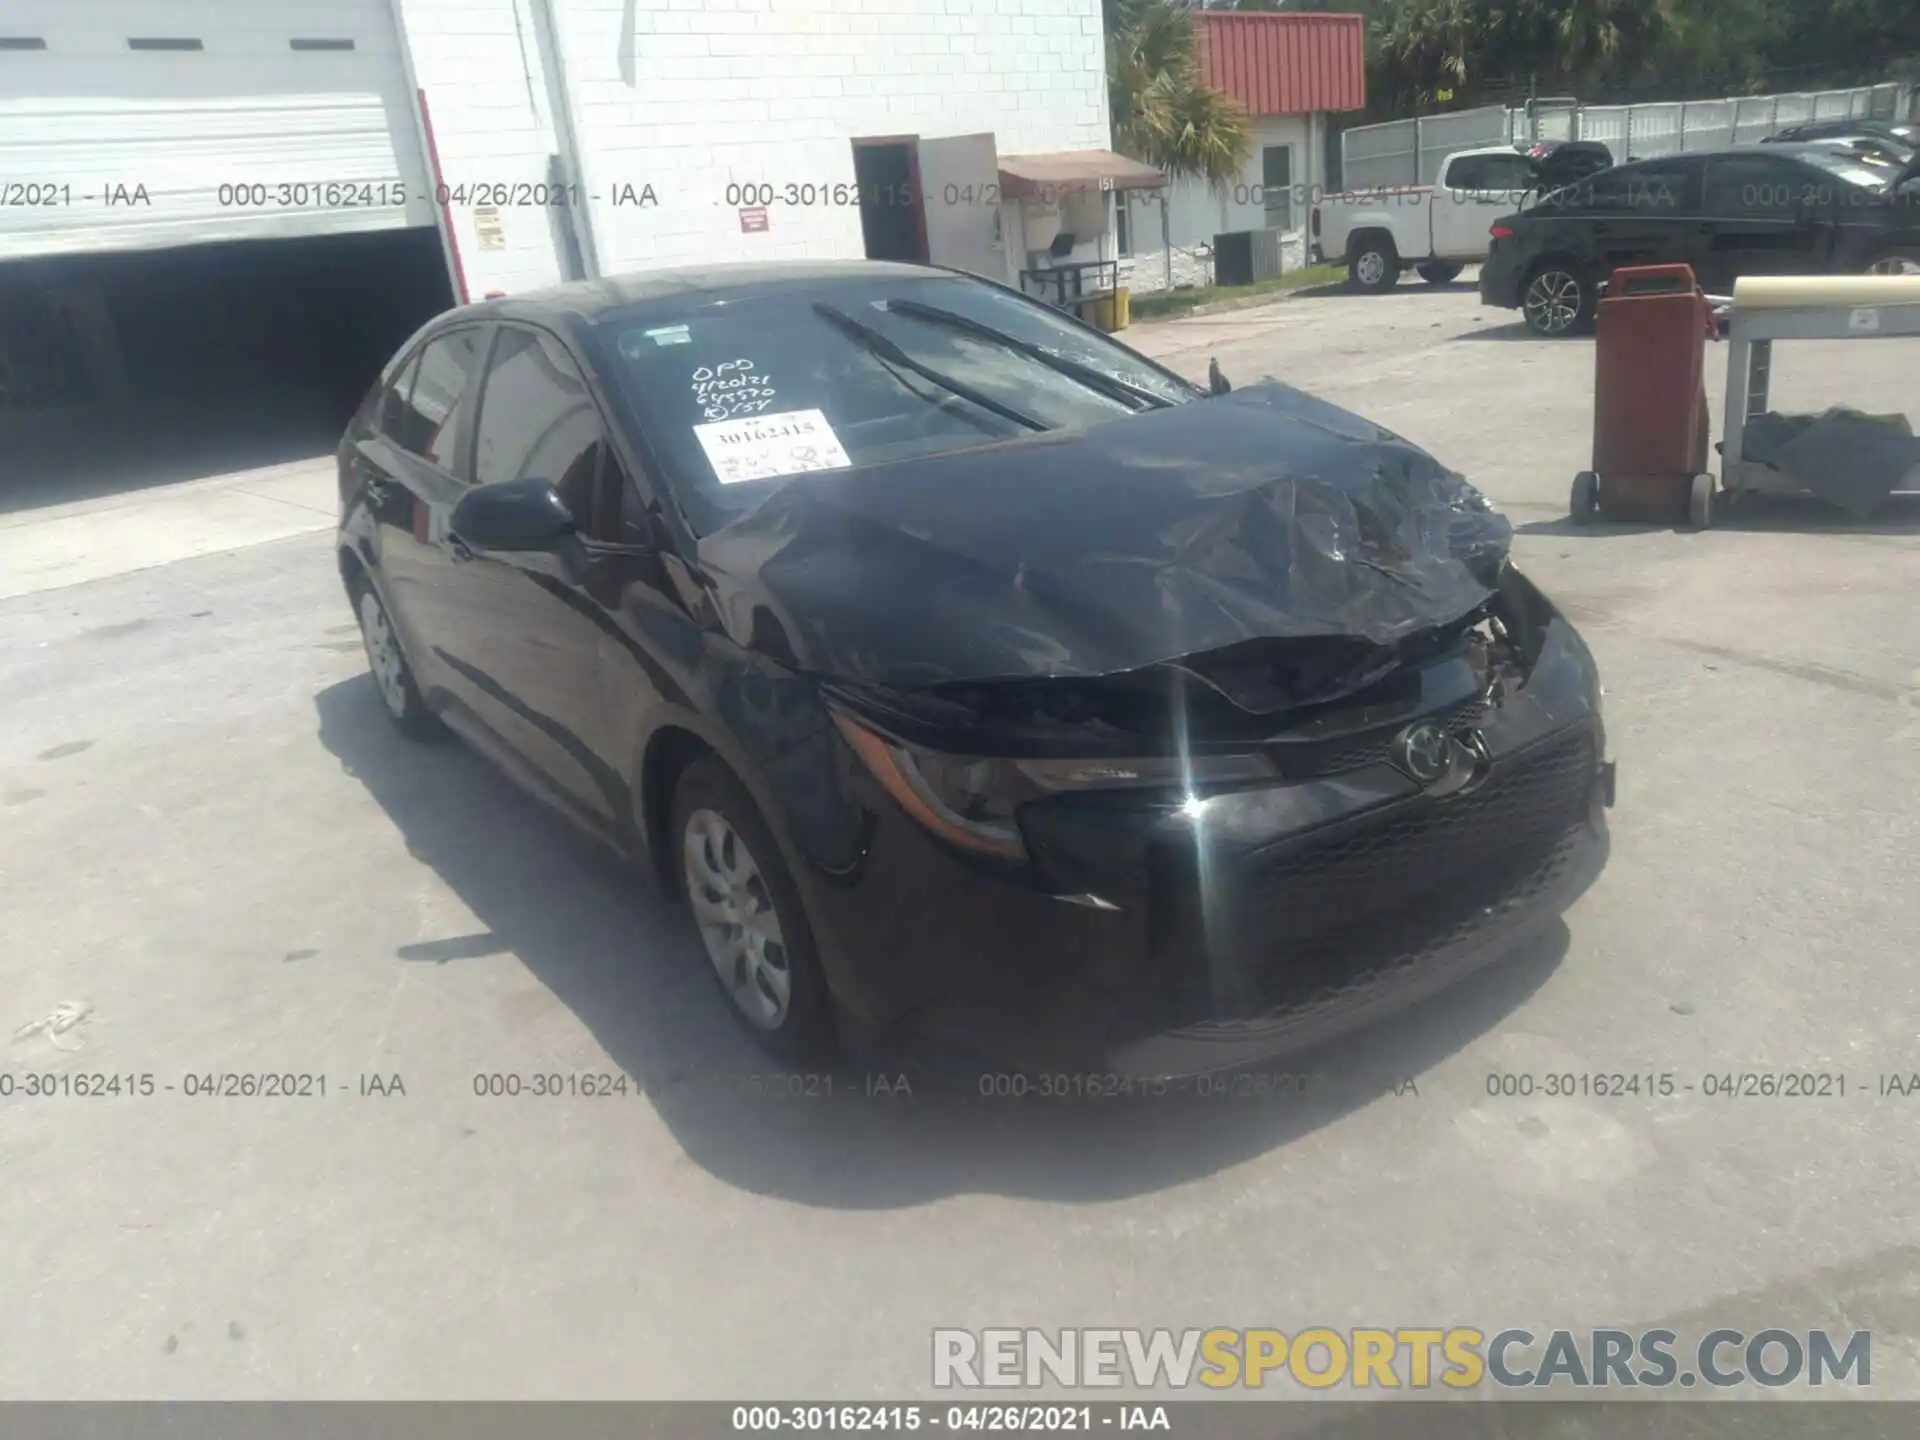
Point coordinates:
[[512, 515]]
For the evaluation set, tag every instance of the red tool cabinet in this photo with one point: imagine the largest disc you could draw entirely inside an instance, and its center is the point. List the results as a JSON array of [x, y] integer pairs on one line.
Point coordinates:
[[1650, 428]]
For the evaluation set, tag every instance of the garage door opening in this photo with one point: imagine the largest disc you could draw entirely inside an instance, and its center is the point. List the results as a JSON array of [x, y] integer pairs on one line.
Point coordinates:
[[124, 370]]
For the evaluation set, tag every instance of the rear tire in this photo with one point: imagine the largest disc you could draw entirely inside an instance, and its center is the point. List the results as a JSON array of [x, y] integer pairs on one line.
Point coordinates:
[[392, 673], [752, 924], [1558, 298], [1373, 264], [1437, 272]]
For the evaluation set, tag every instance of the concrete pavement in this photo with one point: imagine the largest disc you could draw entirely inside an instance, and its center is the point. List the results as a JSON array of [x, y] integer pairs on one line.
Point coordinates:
[[218, 854]]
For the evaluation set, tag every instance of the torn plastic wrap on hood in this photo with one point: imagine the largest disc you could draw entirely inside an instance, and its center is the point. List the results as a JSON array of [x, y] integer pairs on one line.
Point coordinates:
[[1265, 513]]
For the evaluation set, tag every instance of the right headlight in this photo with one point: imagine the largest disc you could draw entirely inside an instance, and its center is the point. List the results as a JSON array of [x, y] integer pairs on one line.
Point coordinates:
[[972, 801]]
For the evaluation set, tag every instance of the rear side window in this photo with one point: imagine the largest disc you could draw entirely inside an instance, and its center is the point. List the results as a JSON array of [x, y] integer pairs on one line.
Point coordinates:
[[1490, 172], [537, 421], [442, 390], [1652, 188]]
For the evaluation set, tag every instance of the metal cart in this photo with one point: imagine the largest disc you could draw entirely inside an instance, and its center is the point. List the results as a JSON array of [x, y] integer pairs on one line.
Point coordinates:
[[1770, 308]]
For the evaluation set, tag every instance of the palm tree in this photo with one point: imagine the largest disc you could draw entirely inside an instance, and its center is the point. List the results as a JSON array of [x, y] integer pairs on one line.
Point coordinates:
[[1162, 112]]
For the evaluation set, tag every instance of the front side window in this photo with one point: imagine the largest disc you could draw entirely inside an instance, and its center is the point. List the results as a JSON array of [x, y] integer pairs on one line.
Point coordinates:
[[442, 389], [739, 392], [1752, 187], [538, 422]]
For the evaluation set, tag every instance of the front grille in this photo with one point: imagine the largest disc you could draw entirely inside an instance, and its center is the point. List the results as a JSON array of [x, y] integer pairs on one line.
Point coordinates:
[[1314, 914], [1335, 758]]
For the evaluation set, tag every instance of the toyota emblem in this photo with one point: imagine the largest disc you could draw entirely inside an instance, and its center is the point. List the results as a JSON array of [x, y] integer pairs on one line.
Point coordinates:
[[1424, 752]]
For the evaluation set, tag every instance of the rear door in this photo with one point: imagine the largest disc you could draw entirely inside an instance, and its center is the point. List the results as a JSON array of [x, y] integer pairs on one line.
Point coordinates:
[[1761, 214], [406, 468], [1639, 214], [1473, 192]]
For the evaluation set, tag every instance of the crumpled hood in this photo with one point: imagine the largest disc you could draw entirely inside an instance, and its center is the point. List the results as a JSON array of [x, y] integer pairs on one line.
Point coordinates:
[[1261, 513]]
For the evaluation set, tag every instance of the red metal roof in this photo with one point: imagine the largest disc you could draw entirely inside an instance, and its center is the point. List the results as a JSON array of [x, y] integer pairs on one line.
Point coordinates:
[[1284, 64]]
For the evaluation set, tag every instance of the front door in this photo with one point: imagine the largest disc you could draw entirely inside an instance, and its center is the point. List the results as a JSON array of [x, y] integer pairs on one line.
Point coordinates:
[[1760, 215], [530, 631]]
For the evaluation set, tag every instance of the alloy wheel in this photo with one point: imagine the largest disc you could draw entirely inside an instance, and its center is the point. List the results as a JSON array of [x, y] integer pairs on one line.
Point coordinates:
[[383, 653], [738, 923], [1552, 302]]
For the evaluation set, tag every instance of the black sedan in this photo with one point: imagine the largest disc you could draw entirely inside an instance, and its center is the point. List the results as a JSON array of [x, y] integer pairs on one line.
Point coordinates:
[[1813, 208], [975, 679]]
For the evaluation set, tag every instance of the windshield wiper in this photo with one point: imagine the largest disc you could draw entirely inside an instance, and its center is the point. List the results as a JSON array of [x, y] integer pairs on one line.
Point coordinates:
[[885, 350], [1112, 386]]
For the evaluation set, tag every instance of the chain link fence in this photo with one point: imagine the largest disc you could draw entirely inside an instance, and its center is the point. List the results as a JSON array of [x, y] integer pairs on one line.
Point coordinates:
[[1412, 152]]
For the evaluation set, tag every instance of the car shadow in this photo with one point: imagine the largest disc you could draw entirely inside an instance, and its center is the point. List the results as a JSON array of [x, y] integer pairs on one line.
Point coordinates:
[[1517, 330], [627, 963], [1899, 515]]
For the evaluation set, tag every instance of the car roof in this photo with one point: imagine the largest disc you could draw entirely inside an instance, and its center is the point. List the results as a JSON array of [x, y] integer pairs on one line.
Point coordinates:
[[588, 300]]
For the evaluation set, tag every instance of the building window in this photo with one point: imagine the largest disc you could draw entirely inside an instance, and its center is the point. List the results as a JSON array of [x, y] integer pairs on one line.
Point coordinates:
[[163, 43], [320, 44], [1276, 183], [22, 42], [1122, 224]]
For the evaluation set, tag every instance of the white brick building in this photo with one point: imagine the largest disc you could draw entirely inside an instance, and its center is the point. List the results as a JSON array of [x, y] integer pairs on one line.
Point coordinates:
[[355, 165]]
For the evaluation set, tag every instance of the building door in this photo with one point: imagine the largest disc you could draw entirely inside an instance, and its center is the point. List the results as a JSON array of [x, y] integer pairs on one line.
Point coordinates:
[[892, 220], [960, 196]]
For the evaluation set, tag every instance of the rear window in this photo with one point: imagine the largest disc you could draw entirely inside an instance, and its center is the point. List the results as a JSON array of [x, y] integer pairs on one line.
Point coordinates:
[[738, 394]]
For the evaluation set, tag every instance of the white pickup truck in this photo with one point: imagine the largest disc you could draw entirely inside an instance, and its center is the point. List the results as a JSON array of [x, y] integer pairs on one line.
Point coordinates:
[[1438, 229]]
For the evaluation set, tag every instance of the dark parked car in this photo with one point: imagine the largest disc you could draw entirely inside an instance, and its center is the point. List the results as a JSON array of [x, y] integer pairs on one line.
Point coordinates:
[[1799, 209], [974, 678], [1897, 133]]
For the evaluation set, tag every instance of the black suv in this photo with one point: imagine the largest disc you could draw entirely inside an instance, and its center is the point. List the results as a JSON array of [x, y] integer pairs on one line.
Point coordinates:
[[1785, 209]]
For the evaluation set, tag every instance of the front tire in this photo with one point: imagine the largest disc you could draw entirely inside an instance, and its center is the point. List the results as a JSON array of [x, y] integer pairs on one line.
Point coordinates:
[[1558, 299], [392, 675], [1373, 266], [1437, 272], [751, 922]]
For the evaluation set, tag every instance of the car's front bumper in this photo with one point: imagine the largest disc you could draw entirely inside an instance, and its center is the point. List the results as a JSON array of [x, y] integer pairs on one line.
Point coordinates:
[[1169, 939]]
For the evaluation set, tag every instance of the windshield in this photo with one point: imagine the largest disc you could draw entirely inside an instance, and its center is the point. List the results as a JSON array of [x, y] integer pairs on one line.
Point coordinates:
[[738, 393]]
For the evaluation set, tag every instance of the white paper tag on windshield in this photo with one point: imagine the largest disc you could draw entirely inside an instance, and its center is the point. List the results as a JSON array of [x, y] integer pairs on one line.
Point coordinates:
[[760, 447]]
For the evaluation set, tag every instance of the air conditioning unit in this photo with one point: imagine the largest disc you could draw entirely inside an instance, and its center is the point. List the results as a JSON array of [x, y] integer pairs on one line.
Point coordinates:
[[1266, 254]]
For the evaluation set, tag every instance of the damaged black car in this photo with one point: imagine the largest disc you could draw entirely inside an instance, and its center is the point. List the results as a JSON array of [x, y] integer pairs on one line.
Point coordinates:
[[976, 680]]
